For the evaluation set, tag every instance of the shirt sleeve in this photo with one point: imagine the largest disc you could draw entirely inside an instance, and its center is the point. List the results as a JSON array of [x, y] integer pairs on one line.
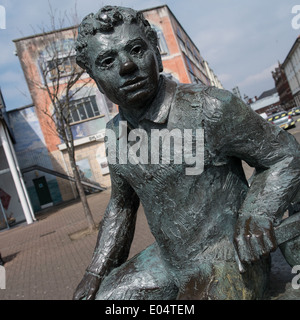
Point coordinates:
[[274, 153]]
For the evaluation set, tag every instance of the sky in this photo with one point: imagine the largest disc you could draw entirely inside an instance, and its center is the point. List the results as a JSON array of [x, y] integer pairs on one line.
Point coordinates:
[[242, 40]]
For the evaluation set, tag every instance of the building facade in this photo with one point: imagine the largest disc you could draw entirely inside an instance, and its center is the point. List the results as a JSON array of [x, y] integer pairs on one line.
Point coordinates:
[[236, 92], [44, 157], [267, 103], [15, 205], [283, 88], [33, 155], [45, 164], [291, 66], [214, 81], [181, 57]]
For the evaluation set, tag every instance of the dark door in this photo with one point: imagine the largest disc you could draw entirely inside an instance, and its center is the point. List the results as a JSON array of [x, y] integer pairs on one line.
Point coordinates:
[[42, 190]]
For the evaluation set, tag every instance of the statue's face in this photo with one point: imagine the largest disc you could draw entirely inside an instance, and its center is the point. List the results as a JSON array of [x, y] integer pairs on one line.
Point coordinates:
[[124, 65]]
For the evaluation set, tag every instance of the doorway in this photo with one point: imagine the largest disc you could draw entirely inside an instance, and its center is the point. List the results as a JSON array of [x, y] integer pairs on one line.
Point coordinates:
[[43, 192]]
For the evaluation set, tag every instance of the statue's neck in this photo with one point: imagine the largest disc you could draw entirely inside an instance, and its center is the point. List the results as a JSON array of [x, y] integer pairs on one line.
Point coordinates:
[[133, 114]]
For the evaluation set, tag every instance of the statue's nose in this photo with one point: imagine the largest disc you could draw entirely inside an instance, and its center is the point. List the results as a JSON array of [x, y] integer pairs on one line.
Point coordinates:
[[127, 67]]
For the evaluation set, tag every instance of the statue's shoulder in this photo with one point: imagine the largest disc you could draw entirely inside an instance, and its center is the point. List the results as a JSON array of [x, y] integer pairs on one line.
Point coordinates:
[[190, 89], [222, 95], [204, 91], [213, 100], [222, 106]]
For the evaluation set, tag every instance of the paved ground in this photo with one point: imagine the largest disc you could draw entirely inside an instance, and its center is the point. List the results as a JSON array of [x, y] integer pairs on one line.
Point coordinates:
[[43, 263]]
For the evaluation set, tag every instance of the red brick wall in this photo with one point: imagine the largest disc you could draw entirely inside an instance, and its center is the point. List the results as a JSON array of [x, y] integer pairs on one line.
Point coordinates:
[[174, 62]]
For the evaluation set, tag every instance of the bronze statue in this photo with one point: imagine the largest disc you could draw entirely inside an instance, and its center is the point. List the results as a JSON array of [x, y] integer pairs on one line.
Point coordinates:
[[213, 231]]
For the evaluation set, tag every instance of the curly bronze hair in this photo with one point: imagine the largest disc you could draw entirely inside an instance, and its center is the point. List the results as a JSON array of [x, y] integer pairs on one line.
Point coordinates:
[[104, 21]]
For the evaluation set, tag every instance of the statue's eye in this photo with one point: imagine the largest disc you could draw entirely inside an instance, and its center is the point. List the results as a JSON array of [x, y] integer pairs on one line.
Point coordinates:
[[107, 62], [137, 50]]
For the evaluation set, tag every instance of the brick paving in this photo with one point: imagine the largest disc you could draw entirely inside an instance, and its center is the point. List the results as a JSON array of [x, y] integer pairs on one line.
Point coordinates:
[[43, 263]]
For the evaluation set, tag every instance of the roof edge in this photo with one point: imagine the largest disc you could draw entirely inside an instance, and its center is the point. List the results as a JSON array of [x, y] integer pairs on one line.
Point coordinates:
[[45, 33]]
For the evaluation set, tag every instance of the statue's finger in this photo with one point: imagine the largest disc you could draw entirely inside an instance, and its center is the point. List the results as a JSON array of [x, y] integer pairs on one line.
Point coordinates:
[[243, 248]]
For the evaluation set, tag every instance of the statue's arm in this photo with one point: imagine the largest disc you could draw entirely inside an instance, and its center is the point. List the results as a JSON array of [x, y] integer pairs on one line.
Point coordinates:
[[114, 239], [275, 154]]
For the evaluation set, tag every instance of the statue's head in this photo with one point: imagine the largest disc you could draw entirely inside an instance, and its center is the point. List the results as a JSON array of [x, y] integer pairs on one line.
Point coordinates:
[[119, 49]]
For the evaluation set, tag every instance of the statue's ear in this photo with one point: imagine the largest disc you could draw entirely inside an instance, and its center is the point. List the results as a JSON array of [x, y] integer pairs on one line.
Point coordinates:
[[160, 64]]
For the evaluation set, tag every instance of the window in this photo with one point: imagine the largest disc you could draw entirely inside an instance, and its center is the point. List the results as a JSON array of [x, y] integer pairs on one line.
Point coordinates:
[[84, 109], [181, 41], [198, 60], [178, 31], [182, 45], [61, 67], [57, 60], [162, 44], [193, 78], [190, 52], [189, 64], [191, 70]]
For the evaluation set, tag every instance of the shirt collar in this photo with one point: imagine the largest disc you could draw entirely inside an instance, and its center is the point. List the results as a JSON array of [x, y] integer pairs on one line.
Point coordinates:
[[160, 107]]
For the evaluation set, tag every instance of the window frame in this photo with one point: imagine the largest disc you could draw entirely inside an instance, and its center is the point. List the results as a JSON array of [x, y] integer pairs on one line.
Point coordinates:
[[63, 50], [81, 103], [161, 40]]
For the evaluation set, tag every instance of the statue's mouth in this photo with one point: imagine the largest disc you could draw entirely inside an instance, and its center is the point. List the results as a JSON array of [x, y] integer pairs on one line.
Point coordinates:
[[134, 84]]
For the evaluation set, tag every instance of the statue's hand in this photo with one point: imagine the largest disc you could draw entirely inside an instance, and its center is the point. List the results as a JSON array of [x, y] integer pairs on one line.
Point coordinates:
[[88, 287], [254, 237]]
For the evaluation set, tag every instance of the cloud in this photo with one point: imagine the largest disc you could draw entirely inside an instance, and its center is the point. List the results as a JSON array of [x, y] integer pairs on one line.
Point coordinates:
[[224, 77], [258, 77], [213, 40]]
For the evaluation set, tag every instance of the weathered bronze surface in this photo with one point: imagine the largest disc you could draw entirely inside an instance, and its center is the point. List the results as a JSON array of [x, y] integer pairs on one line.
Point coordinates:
[[213, 231]]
